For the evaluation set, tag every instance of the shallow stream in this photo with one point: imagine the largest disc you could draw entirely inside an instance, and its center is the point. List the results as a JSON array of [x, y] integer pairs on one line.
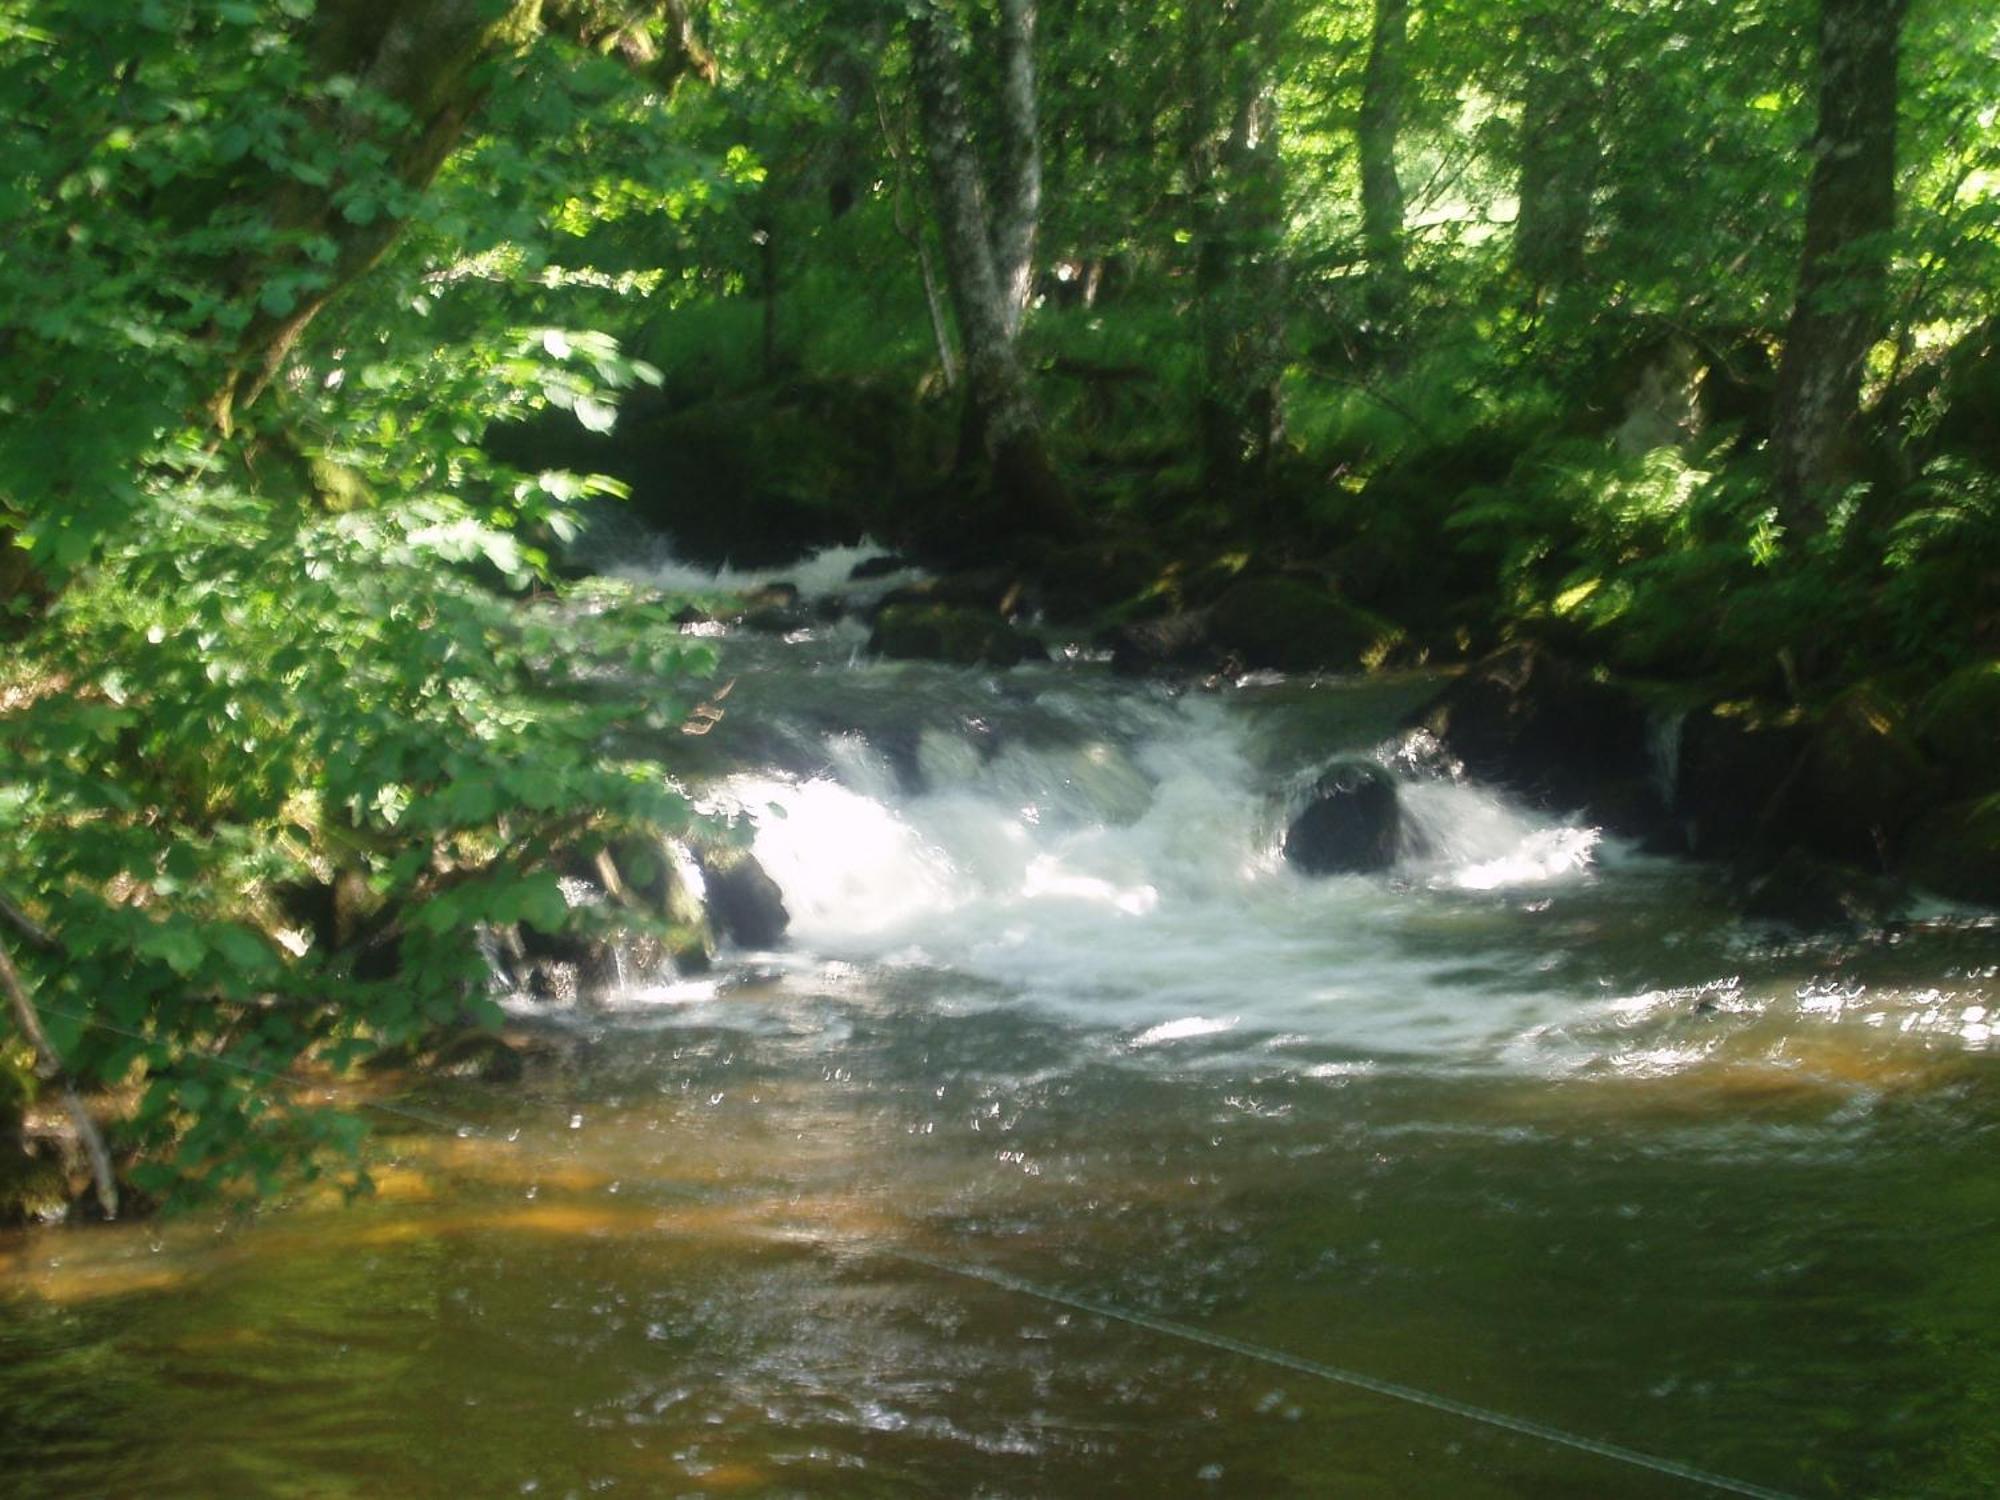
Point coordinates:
[[1532, 1123]]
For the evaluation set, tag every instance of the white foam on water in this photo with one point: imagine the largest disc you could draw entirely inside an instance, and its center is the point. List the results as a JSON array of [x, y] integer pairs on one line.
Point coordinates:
[[1138, 883], [822, 574]]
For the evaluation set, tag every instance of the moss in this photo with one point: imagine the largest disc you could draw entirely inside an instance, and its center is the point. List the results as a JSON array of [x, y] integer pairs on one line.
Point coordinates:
[[1294, 627], [939, 632], [1957, 722]]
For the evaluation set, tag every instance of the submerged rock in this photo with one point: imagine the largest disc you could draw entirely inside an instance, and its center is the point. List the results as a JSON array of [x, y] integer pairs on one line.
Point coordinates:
[[1350, 826], [478, 1055]]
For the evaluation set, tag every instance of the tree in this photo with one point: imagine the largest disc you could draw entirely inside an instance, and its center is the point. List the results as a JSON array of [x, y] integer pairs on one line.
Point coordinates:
[[1236, 183], [1558, 144], [988, 250], [1376, 129], [419, 74], [1850, 213]]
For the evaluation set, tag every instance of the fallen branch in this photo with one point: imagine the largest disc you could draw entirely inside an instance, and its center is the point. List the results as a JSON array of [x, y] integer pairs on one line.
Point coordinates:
[[50, 1070]]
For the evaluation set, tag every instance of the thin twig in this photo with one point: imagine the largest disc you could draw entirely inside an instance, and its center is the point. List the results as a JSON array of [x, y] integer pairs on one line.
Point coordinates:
[[50, 1070]]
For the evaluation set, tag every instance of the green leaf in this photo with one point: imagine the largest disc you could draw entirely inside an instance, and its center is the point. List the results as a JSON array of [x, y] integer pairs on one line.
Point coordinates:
[[543, 905], [244, 950]]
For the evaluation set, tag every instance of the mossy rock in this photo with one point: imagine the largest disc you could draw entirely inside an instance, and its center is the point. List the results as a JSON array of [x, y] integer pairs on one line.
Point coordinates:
[[1549, 729], [941, 632], [1958, 725], [1956, 851], [1863, 783], [33, 1189], [1291, 626], [478, 1055], [1813, 894]]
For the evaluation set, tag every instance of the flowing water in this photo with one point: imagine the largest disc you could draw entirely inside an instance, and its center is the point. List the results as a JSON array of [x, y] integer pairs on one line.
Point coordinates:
[[1530, 1123]]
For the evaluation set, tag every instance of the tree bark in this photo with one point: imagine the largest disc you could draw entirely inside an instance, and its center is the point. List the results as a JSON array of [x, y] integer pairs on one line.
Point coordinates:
[[1376, 129], [1843, 273], [1560, 151], [1018, 184], [913, 236], [1001, 421]]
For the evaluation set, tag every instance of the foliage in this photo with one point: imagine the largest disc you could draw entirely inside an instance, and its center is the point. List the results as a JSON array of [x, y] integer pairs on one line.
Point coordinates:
[[294, 715]]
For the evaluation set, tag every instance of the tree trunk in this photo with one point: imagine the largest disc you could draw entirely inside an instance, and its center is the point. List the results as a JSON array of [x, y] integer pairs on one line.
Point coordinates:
[[1017, 208], [1239, 208], [1375, 132], [1002, 424], [426, 58], [1559, 153], [1850, 212]]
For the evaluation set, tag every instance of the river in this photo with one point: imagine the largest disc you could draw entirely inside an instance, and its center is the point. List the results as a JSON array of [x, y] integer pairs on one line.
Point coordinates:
[[1074, 1145]]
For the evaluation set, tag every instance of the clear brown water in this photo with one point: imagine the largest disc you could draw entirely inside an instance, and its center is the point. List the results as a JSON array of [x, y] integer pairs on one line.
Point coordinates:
[[1571, 1144]]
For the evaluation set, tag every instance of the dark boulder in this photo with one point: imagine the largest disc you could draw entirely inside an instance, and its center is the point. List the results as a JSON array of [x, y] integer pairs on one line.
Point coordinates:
[[1291, 626], [1860, 783], [942, 632], [745, 905], [1957, 724], [1956, 851], [1529, 720], [1350, 826], [879, 566], [1804, 891], [1161, 644], [1732, 763]]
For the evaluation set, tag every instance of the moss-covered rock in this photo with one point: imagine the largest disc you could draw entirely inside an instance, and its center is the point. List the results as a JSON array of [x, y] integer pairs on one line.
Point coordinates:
[[1292, 626], [943, 632], [1804, 891], [1955, 851], [1539, 724], [33, 1189], [1860, 785], [1958, 726]]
